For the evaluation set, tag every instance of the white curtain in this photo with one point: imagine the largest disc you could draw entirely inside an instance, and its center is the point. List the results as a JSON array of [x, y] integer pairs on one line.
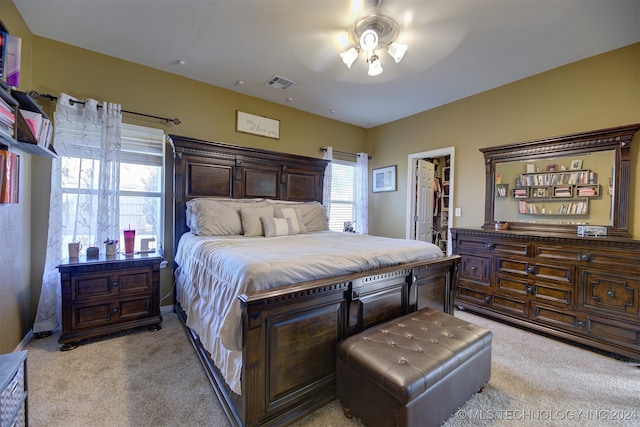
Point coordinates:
[[362, 193], [326, 193], [88, 140]]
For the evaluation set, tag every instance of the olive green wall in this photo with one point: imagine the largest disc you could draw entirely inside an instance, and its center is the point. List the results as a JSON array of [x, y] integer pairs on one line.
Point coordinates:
[[596, 93], [16, 291]]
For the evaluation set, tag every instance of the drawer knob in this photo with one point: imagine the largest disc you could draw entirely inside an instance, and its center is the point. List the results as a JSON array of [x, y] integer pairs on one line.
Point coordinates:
[[115, 284], [474, 268], [489, 245], [487, 299], [611, 293], [585, 256], [581, 323], [114, 309], [531, 269], [530, 290]]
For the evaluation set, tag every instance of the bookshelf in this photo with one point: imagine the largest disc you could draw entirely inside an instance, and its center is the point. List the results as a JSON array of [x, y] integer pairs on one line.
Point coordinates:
[[556, 193], [14, 130]]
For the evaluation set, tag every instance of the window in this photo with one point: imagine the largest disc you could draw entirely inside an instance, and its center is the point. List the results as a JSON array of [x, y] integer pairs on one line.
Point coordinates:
[[140, 196], [343, 199]]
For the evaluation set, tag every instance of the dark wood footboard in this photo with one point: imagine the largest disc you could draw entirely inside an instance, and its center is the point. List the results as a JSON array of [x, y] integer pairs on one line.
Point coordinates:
[[290, 334]]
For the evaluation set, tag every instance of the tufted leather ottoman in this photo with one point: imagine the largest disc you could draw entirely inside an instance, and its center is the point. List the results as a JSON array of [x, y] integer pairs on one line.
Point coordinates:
[[416, 370]]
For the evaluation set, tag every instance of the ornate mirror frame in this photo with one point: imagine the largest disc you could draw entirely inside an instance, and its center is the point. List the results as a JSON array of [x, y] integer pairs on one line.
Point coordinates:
[[617, 139]]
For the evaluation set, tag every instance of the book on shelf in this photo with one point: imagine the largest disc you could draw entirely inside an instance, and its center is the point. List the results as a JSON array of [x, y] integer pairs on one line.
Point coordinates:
[[9, 186], [11, 56]]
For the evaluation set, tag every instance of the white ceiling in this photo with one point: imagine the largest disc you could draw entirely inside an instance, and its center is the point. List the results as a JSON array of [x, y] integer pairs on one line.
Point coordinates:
[[457, 48]]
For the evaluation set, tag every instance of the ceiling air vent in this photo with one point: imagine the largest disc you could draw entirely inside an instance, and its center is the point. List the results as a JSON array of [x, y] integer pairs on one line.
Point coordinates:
[[279, 82]]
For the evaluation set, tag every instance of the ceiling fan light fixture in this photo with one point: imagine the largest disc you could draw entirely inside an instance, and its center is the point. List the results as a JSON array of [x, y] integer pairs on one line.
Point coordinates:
[[397, 51], [370, 33], [349, 56]]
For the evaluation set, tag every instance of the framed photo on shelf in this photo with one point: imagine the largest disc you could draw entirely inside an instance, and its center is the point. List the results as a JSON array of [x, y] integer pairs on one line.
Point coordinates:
[[552, 168], [531, 168], [576, 164], [384, 179]]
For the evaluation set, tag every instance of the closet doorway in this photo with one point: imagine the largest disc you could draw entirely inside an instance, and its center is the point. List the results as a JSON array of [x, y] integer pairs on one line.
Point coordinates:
[[430, 202]]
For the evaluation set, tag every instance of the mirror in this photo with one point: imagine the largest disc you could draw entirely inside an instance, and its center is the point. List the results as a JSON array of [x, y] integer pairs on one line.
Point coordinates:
[[557, 184]]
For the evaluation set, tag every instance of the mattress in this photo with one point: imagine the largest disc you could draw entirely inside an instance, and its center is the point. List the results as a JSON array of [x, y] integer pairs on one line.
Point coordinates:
[[213, 271]]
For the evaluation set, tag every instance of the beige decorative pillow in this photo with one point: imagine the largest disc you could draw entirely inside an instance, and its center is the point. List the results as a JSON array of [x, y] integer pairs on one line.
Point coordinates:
[[274, 227], [314, 216], [294, 215], [209, 216], [251, 222]]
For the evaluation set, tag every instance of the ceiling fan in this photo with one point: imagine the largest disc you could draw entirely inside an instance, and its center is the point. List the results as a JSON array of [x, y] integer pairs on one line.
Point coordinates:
[[422, 31]]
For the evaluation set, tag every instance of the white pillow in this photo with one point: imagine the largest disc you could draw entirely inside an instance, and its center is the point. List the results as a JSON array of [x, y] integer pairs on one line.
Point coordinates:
[[274, 227], [251, 222], [294, 215]]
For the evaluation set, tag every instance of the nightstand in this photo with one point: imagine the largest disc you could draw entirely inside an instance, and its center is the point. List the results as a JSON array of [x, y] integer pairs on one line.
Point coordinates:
[[13, 389], [109, 294]]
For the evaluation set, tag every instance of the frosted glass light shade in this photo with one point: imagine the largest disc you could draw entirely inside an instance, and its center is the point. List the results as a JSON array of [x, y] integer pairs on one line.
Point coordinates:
[[349, 57], [375, 68], [397, 51]]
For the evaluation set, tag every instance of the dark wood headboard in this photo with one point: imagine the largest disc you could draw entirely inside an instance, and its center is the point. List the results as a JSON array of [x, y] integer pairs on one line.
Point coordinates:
[[212, 169]]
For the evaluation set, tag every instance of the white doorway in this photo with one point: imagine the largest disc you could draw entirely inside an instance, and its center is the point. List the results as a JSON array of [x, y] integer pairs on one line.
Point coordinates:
[[416, 209]]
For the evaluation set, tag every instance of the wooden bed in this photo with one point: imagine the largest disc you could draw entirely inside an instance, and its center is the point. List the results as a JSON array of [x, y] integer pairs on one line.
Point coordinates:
[[289, 333]]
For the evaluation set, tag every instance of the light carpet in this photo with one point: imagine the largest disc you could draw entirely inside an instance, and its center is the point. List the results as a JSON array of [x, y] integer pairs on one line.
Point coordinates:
[[146, 378]]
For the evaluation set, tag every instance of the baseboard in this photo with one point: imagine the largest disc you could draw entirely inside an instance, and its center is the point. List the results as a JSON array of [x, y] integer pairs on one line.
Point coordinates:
[[166, 309], [26, 340]]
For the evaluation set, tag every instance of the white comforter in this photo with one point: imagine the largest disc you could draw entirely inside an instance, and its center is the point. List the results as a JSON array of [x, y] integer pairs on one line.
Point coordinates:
[[213, 271]]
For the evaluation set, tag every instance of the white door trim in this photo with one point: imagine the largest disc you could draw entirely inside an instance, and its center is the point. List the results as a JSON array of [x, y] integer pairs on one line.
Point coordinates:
[[411, 187]]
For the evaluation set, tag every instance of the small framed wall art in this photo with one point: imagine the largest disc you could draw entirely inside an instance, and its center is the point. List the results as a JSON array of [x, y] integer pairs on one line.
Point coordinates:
[[257, 125], [384, 179], [576, 164]]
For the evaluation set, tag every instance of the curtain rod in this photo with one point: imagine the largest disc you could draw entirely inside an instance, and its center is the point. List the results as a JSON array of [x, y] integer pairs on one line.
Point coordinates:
[[323, 149], [35, 95]]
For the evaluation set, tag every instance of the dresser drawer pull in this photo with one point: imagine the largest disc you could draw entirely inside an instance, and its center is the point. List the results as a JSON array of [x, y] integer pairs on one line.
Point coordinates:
[[531, 269], [611, 293], [530, 290], [489, 245], [487, 299], [585, 256], [581, 323], [114, 309], [115, 284], [474, 268]]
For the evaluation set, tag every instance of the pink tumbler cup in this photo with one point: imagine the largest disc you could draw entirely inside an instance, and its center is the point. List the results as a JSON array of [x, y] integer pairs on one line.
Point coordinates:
[[129, 241]]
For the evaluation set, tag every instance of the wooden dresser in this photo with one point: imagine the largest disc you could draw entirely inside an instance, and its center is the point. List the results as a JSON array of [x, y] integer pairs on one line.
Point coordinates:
[[108, 294], [585, 289]]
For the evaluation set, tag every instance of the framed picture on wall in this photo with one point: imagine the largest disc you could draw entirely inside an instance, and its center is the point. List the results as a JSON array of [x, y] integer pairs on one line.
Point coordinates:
[[576, 164], [384, 179]]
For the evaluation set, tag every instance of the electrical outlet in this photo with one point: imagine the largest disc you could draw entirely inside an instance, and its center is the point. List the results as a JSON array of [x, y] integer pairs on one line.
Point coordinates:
[[458, 212]]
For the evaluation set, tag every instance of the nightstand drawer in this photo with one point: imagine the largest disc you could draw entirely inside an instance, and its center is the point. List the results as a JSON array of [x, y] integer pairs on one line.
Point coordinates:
[[106, 283], [98, 314]]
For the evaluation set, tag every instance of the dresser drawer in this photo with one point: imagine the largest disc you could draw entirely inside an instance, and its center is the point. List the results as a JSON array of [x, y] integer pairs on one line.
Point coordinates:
[[476, 268], [479, 246], [611, 292]]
